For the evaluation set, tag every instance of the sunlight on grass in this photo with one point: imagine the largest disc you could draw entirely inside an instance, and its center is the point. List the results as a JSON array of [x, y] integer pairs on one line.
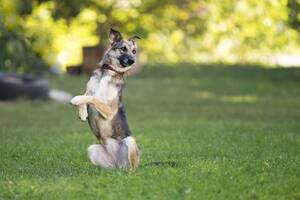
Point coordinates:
[[204, 95], [226, 98], [239, 99]]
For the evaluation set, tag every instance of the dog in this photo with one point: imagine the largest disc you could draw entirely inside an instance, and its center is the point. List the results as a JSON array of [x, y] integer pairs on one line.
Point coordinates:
[[102, 105]]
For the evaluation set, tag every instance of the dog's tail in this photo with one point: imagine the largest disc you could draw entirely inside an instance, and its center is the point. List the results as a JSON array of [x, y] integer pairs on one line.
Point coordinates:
[[129, 153]]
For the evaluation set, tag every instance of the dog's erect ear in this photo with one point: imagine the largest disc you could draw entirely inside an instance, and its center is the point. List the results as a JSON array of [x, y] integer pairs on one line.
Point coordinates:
[[114, 35], [133, 38]]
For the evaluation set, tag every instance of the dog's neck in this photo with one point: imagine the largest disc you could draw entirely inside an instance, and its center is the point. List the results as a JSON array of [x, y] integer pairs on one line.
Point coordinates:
[[109, 67]]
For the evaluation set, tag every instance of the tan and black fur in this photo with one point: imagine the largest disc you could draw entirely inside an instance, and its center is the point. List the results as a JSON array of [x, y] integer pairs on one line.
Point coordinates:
[[103, 106]]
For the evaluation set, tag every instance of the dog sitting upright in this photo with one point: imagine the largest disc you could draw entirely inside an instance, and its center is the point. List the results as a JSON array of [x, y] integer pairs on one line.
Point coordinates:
[[102, 105]]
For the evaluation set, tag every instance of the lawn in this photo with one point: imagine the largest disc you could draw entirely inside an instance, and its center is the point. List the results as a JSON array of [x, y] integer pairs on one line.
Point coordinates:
[[212, 132]]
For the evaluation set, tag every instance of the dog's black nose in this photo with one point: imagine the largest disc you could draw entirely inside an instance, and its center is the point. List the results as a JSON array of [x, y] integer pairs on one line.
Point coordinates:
[[126, 60]]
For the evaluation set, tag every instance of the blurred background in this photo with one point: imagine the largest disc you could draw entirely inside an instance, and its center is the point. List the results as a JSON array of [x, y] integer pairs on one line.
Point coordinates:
[[38, 35]]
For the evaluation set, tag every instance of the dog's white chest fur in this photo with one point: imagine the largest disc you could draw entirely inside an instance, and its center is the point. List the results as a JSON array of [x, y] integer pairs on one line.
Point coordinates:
[[105, 90]]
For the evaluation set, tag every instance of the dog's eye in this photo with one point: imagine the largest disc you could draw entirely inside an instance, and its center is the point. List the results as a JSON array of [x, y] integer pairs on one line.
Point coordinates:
[[124, 49], [134, 51]]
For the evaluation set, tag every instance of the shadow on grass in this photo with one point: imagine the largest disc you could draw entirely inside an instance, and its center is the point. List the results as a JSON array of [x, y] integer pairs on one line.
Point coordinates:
[[161, 164]]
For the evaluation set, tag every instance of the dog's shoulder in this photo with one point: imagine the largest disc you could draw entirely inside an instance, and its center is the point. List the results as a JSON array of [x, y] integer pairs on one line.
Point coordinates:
[[94, 80], [97, 73]]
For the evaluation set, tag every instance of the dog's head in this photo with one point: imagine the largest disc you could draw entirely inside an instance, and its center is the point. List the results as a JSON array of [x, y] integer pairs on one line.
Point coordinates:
[[122, 53]]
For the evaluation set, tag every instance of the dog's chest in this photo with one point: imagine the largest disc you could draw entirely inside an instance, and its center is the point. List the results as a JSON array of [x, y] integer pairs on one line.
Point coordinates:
[[105, 89]]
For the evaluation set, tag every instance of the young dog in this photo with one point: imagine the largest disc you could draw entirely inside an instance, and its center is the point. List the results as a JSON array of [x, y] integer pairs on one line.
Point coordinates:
[[102, 105]]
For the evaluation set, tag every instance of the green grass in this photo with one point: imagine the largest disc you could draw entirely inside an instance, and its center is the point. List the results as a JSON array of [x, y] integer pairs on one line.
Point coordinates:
[[218, 133]]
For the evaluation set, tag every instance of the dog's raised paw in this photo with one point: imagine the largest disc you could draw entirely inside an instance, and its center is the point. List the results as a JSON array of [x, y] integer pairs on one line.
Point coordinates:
[[83, 119], [83, 116], [75, 101]]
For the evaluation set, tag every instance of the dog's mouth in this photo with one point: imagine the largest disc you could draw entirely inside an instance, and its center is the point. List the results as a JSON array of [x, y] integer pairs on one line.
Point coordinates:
[[123, 65], [126, 60]]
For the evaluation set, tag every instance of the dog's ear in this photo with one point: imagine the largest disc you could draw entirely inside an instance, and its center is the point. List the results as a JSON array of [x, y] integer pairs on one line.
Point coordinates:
[[114, 35], [134, 38]]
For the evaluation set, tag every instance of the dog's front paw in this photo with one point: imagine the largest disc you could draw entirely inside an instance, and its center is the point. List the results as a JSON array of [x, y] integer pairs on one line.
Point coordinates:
[[83, 115], [83, 118], [75, 101]]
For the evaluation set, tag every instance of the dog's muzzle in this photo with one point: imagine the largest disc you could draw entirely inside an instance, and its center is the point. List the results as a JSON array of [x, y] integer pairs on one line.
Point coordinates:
[[126, 60]]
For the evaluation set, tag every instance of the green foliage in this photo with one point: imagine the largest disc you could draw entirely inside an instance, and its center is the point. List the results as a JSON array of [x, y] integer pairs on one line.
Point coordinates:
[[294, 14], [16, 55], [172, 31], [232, 132], [61, 40]]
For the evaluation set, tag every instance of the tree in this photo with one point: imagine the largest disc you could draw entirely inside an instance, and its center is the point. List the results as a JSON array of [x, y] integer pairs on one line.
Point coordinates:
[[294, 14]]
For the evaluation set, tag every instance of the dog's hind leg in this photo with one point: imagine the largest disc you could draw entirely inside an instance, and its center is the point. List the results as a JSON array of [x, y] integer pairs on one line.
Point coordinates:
[[129, 154], [100, 157], [104, 155], [124, 154]]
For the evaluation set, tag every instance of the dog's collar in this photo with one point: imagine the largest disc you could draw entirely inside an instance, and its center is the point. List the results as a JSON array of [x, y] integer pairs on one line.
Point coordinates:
[[109, 67]]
